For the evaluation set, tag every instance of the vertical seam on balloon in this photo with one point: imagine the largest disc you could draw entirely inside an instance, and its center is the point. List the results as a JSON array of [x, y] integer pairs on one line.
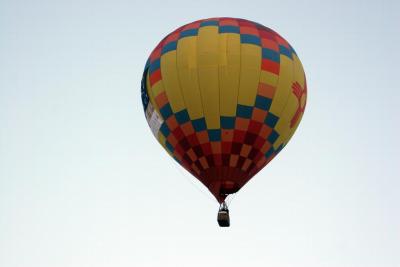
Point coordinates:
[[161, 80], [240, 71], [182, 95], [198, 86], [237, 95], [261, 58], [276, 87], [219, 92], [276, 34], [219, 89], [259, 76], [197, 70], [228, 172], [177, 71], [165, 90], [288, 96], [278, 79], [177, 75]]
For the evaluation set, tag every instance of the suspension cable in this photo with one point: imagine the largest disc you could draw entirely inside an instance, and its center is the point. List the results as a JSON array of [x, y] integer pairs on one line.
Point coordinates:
[[189, 179]]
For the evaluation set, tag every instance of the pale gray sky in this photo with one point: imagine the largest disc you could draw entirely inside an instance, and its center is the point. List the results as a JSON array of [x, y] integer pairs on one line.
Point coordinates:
[[84, 183]]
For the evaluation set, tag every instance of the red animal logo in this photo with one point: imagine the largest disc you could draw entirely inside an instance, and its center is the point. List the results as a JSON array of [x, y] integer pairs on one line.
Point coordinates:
[[301, 94]]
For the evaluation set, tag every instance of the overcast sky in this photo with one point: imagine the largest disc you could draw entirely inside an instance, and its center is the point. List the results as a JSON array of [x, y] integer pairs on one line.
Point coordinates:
[[83, 182]]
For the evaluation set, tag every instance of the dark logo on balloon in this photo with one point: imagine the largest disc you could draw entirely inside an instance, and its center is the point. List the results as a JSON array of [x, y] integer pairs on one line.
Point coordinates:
[[145, 96]]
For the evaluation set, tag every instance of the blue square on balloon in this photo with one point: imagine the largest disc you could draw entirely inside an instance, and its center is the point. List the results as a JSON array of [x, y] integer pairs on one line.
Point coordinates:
[[272, 137], [171, 46], [155, 65], [271, 120], [182, 116], [166, 111], [250, 39], [285, 51], [229, 29], [187, 33], [270, 54], [199, 124], [169, 146], [209, 23], [279, 148], [227, 122], [244, 111], [214, 135], [269, 152], [263, 102], [165, 130]]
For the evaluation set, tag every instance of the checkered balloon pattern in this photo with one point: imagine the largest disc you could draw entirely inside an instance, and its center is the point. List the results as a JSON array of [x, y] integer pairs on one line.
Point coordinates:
[[223, 96]]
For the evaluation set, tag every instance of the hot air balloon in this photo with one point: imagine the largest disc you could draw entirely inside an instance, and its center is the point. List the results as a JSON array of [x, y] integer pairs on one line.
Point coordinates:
[[223, 96]]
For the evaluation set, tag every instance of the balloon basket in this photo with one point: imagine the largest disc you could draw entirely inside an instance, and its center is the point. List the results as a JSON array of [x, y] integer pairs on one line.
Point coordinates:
[[223, 216]]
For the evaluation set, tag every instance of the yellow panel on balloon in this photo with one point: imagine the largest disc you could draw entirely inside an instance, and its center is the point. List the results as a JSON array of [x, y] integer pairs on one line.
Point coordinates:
[[162, 140], [299, 75], [268, 78], [188, 77], [207, 64], [283, 125], [229, 72], [250, 59], [170, 80]]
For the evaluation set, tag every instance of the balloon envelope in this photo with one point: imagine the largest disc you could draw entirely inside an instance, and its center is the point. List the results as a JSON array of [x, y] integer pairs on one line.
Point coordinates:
[[223, 96]]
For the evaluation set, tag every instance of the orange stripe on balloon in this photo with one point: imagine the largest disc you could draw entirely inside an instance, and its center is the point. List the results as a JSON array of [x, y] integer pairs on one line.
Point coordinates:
[[270, 66], [266, 90]]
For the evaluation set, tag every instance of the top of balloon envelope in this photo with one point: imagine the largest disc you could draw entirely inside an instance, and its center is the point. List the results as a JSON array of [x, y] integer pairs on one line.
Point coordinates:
[[223, 96]]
